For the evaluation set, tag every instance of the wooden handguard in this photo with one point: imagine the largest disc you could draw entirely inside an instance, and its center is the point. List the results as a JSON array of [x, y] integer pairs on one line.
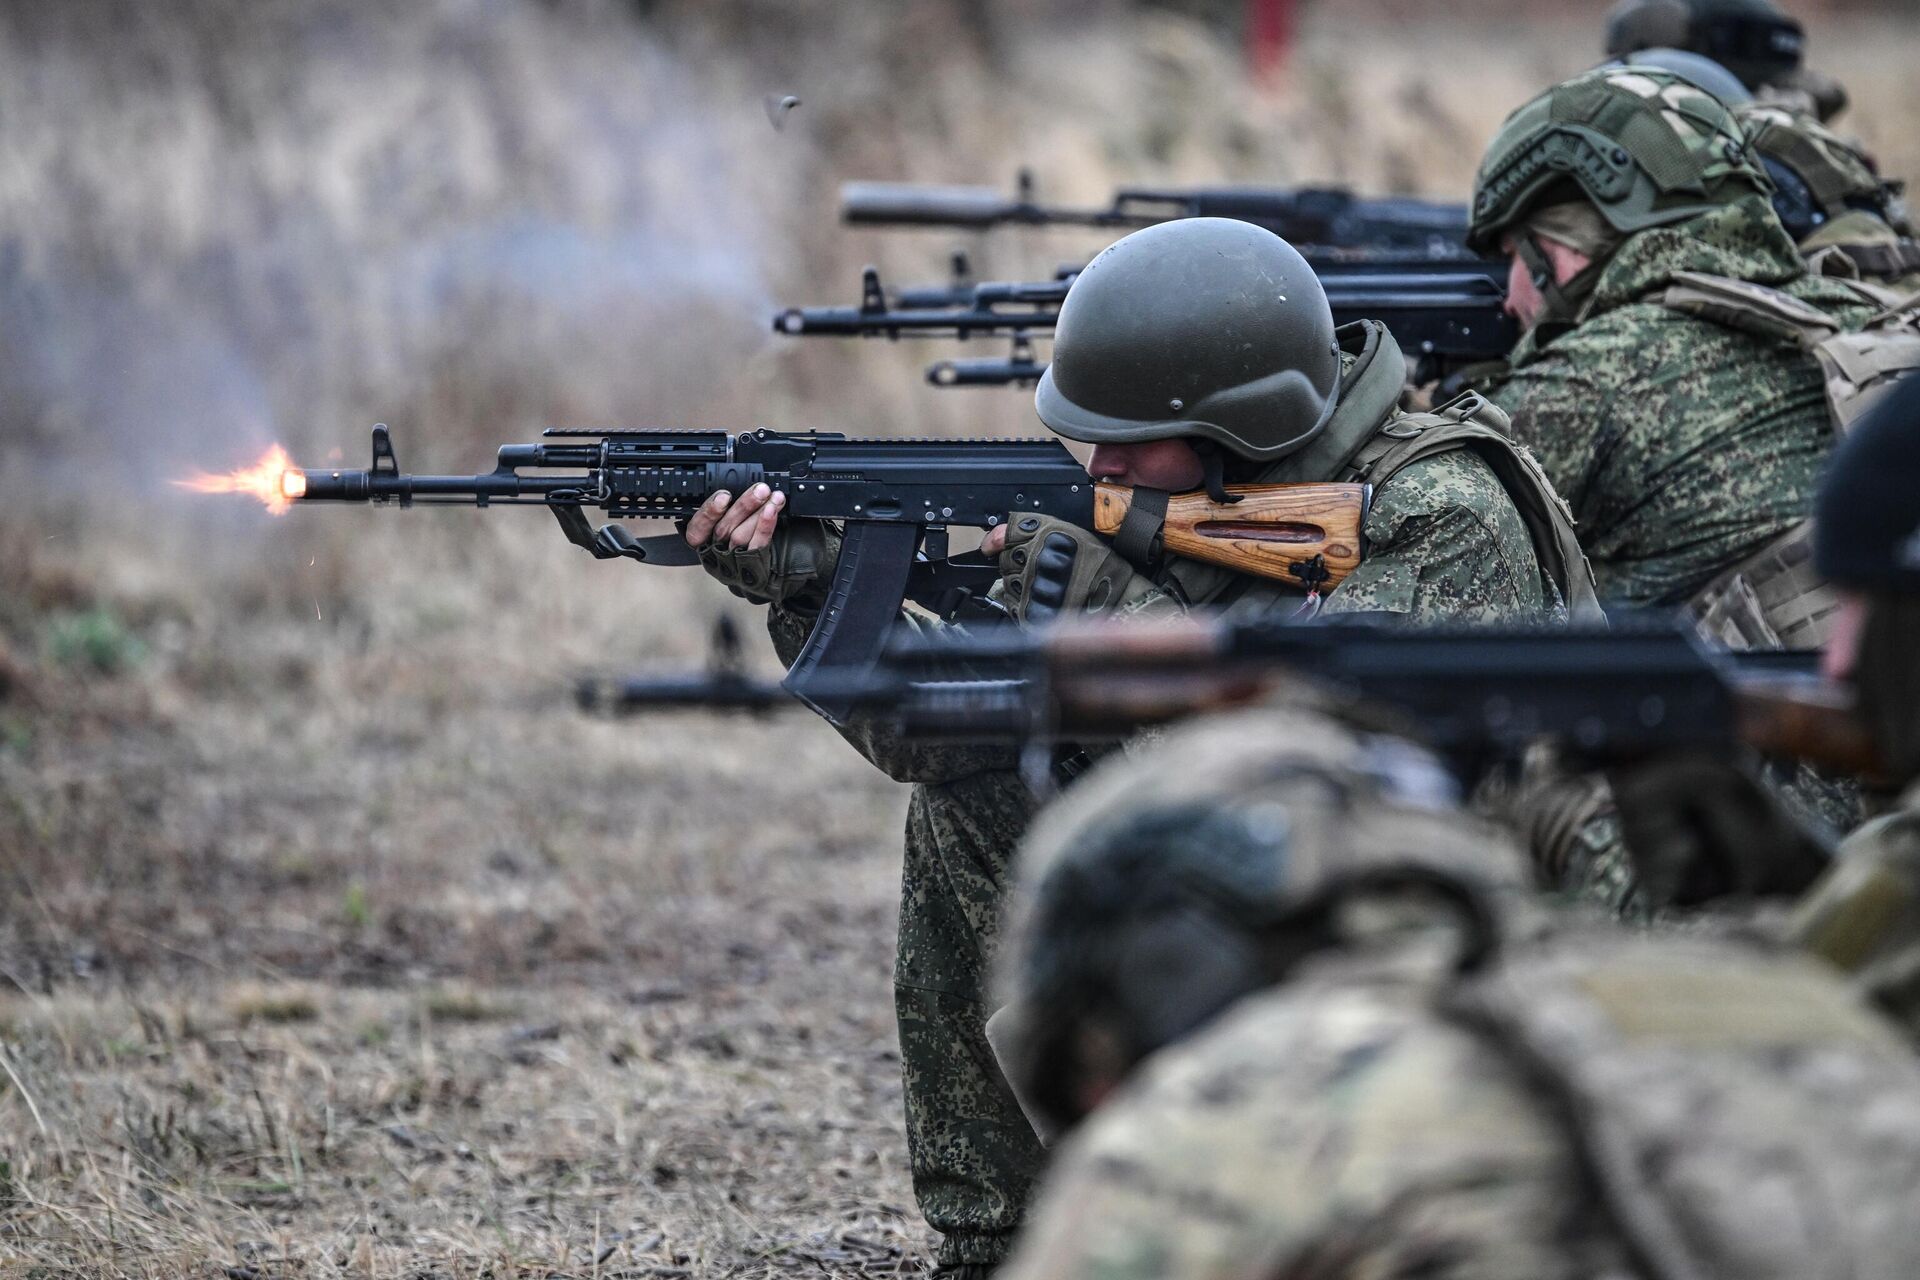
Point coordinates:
[[1274, 531]]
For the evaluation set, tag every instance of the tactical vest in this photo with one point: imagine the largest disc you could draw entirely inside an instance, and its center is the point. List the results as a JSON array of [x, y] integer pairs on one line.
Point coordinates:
[[1737, 1112], [1471, 421], [1836, 251], [1773, 599]]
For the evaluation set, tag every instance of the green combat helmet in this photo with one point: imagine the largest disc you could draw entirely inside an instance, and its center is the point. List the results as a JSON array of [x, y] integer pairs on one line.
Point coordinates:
[[1819, 176], [1751, 38], [1210, 329], [1168, 884], [1645, 147]]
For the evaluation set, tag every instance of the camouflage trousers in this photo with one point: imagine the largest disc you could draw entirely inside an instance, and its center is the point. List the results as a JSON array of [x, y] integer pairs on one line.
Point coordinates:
[[974, 1156]]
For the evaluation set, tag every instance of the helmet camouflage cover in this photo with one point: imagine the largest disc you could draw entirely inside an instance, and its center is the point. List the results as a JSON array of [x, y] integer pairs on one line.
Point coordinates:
[[1645, 147], [1137, 894], [1204, 328], [1829, 174]]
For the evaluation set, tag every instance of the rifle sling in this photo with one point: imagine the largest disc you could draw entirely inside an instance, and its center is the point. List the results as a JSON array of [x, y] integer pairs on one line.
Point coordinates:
[[1138, 538]]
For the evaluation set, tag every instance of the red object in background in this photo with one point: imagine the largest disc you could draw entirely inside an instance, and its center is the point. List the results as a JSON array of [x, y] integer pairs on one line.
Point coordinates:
[[1270, 30]]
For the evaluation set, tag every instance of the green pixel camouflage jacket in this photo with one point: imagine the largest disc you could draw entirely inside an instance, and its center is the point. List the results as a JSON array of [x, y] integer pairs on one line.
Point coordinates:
[[1682, 445]]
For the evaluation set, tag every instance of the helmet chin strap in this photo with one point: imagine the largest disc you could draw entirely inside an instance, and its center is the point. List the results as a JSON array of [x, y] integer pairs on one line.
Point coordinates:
[[1213, 463]]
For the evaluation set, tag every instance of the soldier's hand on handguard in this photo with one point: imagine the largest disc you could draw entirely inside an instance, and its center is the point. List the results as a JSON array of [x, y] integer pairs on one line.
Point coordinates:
[[742, 542], [1049, 567], [1699, 828]]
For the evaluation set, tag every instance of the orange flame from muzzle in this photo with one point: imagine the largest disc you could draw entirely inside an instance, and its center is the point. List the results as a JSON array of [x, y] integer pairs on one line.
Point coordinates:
[[274, 480]]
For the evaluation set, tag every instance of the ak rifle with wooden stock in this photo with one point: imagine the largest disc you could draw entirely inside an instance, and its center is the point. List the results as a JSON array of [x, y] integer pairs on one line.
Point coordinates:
[[1476, 694], [1443, 315], [894, 500]]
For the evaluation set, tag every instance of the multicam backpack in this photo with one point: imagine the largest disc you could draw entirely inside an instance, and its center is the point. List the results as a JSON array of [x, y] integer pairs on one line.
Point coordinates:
[[1738, 1112]]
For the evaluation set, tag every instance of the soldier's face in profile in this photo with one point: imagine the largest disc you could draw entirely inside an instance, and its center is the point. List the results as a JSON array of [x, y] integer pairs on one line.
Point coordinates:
[[1159, 464], [1524, 299]]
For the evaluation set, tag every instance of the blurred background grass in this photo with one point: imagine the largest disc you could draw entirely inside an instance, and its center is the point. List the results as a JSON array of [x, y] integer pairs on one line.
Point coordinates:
[[306, 792]]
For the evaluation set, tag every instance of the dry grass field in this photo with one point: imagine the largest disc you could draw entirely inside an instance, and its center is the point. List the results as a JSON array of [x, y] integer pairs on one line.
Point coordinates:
[[332, 939]]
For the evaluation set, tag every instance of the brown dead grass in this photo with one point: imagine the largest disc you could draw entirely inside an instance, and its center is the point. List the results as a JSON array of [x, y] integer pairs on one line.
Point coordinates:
[[332, 941]]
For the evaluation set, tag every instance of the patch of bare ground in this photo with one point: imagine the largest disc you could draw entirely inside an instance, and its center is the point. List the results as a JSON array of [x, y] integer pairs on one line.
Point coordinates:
[[370, 953]]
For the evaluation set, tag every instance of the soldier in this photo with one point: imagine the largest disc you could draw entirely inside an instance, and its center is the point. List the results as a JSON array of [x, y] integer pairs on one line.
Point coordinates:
[[1827, 190], [1751, 38], [1863, 914], [1190, 354], [1317, 1038], [1830, 197], [1685, 440], [1670, 382]]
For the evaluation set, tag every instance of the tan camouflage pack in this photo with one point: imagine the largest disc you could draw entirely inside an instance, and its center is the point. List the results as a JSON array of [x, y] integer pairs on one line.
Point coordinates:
[[1737, 1111], [1773, 599]]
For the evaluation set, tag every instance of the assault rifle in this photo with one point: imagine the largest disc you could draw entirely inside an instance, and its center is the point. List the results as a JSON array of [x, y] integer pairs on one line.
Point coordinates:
[[1643, 685], [895, 500], [1328, 218], [1443, 317]]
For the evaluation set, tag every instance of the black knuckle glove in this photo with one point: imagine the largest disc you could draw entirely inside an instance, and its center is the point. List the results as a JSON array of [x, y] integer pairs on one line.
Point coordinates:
[[1049, 567], [791, 570]]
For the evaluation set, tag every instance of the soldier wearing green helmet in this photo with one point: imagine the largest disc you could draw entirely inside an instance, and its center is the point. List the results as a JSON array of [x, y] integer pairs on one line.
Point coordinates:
[[1684, 440], [1753, 39], [1191, 354], [1827, 190], [1288, 1011], [1664, 385], [1209, 340], [1829, 195]]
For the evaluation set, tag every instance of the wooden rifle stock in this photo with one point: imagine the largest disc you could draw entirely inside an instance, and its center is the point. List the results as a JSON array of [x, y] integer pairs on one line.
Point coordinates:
[[1808, 719], [1290, 532]]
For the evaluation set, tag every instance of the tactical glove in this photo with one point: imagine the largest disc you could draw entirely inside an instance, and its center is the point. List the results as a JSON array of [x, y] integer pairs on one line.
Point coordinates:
[[1050, 567], [1698, 828], [792, 570]]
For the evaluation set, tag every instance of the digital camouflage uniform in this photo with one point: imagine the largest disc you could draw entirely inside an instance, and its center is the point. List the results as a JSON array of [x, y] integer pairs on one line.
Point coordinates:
[[1682, 445], [1685, 446], [1445, 542]]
